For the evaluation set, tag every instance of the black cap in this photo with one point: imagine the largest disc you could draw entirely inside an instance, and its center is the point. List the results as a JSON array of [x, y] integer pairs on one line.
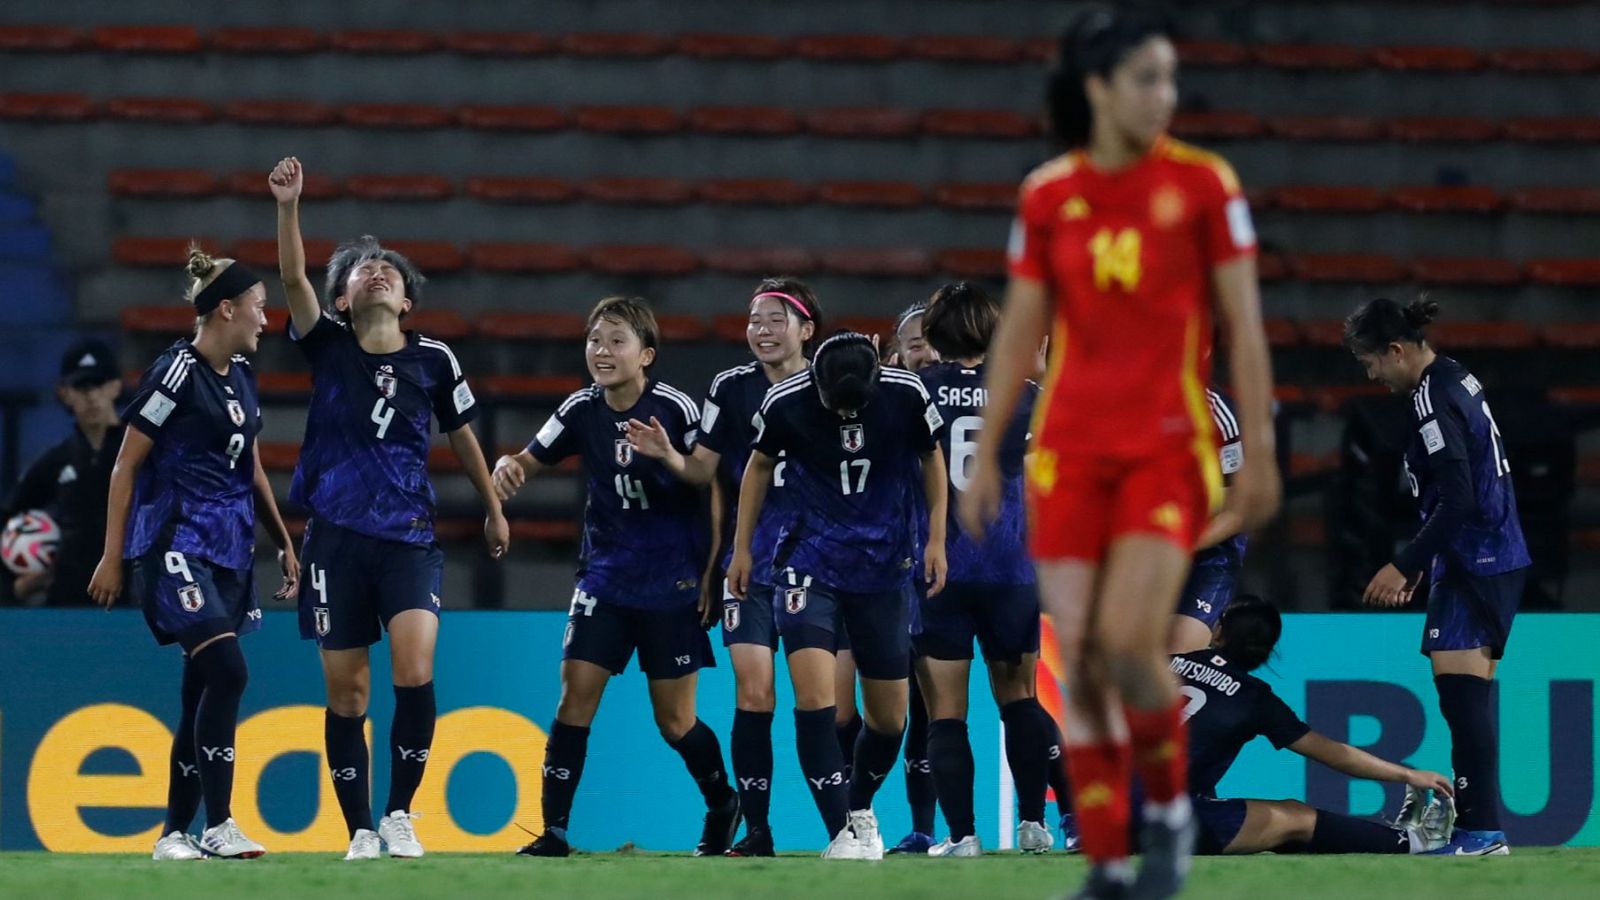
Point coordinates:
[[87, 363]]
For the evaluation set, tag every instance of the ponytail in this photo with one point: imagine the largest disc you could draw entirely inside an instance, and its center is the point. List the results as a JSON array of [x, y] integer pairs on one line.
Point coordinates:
[[1096, 42], [1381, 322]]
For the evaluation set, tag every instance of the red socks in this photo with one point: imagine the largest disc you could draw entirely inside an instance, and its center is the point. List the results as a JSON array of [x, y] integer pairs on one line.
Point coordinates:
[[1101, 776], [1160, 751]]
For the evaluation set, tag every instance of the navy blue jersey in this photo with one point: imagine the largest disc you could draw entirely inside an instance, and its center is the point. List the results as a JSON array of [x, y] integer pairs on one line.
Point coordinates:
[[727, 427], [1228, 554], [364, 462], [193, 495], [644, 539], [1002, 557], [1452, 422], [851, 478], [1226, 707]]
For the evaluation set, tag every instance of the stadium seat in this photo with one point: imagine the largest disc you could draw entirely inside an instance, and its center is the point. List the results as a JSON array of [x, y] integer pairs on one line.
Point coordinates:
[[883, 326], [1553, 61], [977, 196], [1282, 333], [1482, 335], [847, 47], [754, 192], [1323, 332], [894, 194], [1569, 129], [1453, 129], [40, 38], [1290, 395], [526, 326], [46, 107], [1467, 271], [384, 41], [976, 262], [1366, 268], [1465, 199], [513, 118], [1324, 128], [285, 384], [759, 261], [615, 44], [1314, 198], [156, 251], [1216, 126], [278, 456], [174, 110], [1332, 399], [1582, 200], [544, 530], [1428, 59], [266, 40], [171, 318], [629, 119], [499, 43], [148, 39], [530, 387], [399, 187], [1580, 395], [1212, 53], [443, 324], [262, 253], [430, 256], [1301, 57], [641, 259], [1566, 272], [732, 46], [279, 112], [1271, 267], [901, 262], [1572, 335], [522, 189], [1304, 463], [254, 184], [964, 49], [756, 120], [859, 121], [637, 191], [163, 182], [979, 123], [524, 257], [682, 327], [395, 115]]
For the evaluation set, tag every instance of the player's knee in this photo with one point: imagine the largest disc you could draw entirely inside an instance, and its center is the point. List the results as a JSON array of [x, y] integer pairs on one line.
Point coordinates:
[[674, 723], [1011, 683], [348, 701], [412, 673], [756, 696], [1298, 821]]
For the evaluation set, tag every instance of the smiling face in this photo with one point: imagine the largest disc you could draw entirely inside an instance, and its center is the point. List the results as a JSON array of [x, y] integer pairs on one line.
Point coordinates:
[[373, 286], [1138, 99], [915, 352], [776, 333], [614, 353]]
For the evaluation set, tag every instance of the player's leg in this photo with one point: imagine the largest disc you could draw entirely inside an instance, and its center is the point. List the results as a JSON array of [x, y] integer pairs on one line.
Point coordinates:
[[878, 625], [160, 604], [1006, 622], [921, 789], [847, 714], [1201, 603], [348, 678], [750, 634], [1277, 824], [413, 636], [943, 648]]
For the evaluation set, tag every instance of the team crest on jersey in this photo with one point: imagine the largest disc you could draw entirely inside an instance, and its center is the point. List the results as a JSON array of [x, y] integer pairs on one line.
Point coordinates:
[[730, 616], [319, 617], [236, 412], [794, 600], [191, 597], [1167, 207], [624, 451], [852, 437], [386, 384]]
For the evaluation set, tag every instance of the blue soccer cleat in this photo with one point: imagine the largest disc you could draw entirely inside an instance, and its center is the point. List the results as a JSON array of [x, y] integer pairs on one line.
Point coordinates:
[[915, 843], [1069, 833], [1475, 843]]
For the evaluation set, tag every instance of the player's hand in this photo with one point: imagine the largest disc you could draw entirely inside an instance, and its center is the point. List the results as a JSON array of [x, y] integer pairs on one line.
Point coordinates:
[[106, 585], [708, 605], [496, 530], [739, 573], [1389, 587], [287, 180], [509, 477], [290, 564], [651, 440], [1421, 778], [934, 568], [979, 505]]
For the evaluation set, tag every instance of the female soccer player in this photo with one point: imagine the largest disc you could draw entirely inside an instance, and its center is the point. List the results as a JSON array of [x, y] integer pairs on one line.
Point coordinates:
[[1126, 242], [852, 433], [1470, 545], [182, 508], [370, 554], [1226, 707], [1214, 574], [639, 575]]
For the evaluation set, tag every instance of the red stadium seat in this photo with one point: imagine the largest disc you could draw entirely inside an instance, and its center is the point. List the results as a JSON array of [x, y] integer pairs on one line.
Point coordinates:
[[266, 40], [525, 326], [1454, 129], [1304, 463], [882, 326], [759, 120], [46, 107], [40, 38], [1571, 129], [979, 123], [629, 119], [964, 49], [638, 191], [284, 384], [1572, 335], [1332, 399], [902, 262], [615, 44], [1566, 272], [262, 253], [175, 110], [1482, 335], [156, 251], [399, 187], [443, 324], [163, 182], [513, 118], [895, 194], [1314, 198], [1580, 200], [430, 256], [1212, 53], [1289, 394], [1282, 333], [1367, 268], [975, 262], [1554, 61], [1464, 199], [395, 115], [544, 530], [637, 259], [847, 47], [1428, 59], [985, 196], [682, 327], [386, 41], [529, 387], [730, 328], [760, 261], [1578, 395], [442, 458], [254, 184], [859, 121], [171, 318], [499, 43], [278, 456], [1271, 267], [1300, 57], [148, 38], [732, 46], [755, 192], [1325, 128], [524, 257], [1216, 126], [1323, 332], [522, 189], [1467, 271], [279, 112]]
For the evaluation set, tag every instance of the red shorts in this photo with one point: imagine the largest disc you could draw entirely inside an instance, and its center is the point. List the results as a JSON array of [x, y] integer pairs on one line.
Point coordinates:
[[1079, 505]]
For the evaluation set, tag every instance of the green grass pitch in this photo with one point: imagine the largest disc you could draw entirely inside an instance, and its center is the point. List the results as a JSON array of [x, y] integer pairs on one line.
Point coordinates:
[[1545, 874]]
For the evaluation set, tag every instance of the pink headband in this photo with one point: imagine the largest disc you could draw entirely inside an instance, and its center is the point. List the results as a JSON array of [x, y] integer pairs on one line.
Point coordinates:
[[793, 301]]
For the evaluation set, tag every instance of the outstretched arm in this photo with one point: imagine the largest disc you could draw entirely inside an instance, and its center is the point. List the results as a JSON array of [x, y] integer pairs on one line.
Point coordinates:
[[1361, 764], [286, 181]]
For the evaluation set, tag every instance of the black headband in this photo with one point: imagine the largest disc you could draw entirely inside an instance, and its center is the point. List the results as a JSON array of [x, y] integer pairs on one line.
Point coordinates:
[[234, 280]]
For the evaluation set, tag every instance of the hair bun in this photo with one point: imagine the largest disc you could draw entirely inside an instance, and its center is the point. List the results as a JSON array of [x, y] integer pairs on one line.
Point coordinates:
[[200, 262], [1421, 311]]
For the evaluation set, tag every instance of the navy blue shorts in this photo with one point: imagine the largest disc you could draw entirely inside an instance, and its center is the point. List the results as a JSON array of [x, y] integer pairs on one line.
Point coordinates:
[[671, 642], [749, 621], [352, 584], [1468, 611], [1004, 618], [188, 601], [1207, 593], [1219, 821], [812, 615]]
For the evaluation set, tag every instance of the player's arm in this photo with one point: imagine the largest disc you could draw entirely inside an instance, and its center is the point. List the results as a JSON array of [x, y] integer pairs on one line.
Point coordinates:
[[277, 532], [709, 582], [1257, 490], [1006, 370], [512, 471], [106, 585], [936, 489], [752, 496], [286, 181], [1444, 438], [1361, 764], [699, 466], [496, 531]]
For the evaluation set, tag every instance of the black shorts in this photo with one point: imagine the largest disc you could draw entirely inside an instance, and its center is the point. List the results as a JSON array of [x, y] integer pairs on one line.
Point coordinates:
[[351, 584], [749, 621], [188, 601], [815, 616], [1004, 618], [1218, 822], [670, 642], [1468, 611]]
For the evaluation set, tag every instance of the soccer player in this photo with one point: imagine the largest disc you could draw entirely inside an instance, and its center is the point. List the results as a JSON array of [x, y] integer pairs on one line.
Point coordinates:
[[1470, 545], [1214, 574], [991, 594], [371, 559], [852, 434], [1226, 707], [182, 509], [1126, 242], [644, 546]]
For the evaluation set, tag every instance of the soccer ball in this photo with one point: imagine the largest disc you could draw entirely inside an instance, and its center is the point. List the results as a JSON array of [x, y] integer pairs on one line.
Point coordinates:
[[29, 542]]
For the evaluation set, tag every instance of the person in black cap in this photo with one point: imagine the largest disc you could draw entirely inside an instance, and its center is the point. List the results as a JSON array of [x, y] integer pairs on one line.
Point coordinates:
[[70, 479]]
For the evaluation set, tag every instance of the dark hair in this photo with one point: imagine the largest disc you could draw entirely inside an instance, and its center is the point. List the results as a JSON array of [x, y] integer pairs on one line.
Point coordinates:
[[1249, 631], [846, 371], [350, 254], [794, 287], [633, 312], [1096, 42], [1382, 322], [960, 320]]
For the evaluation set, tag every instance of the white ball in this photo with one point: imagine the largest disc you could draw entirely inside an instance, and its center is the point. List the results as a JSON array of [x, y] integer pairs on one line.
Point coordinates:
[[30, 541]]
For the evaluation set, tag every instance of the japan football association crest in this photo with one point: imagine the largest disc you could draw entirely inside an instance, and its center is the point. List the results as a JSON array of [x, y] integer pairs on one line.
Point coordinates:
[[319, 616], [191, 597], [794, 600], [624, 451], [386, 384], [730, 616], [236, 412], [852, 437]]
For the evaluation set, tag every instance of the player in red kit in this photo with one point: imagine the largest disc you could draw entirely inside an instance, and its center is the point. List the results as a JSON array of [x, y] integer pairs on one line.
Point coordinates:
[[1122, 248]]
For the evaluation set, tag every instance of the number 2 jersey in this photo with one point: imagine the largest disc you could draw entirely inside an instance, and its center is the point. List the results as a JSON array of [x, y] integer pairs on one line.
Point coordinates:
[[364, 462], [1226, 708], [644, 536], [727, 427], [194, 493]]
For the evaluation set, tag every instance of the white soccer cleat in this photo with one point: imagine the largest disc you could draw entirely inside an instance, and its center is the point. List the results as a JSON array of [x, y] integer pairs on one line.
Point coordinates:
[[1034, 837], [399, 835], [864, 824], [228, 842], [1437, 825], [843, 846], [364, 845], [177, 845], [968, 846], [1412, 808]]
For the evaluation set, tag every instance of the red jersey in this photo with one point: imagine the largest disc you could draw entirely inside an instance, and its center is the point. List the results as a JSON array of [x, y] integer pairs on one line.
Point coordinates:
[[1127, 259]]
